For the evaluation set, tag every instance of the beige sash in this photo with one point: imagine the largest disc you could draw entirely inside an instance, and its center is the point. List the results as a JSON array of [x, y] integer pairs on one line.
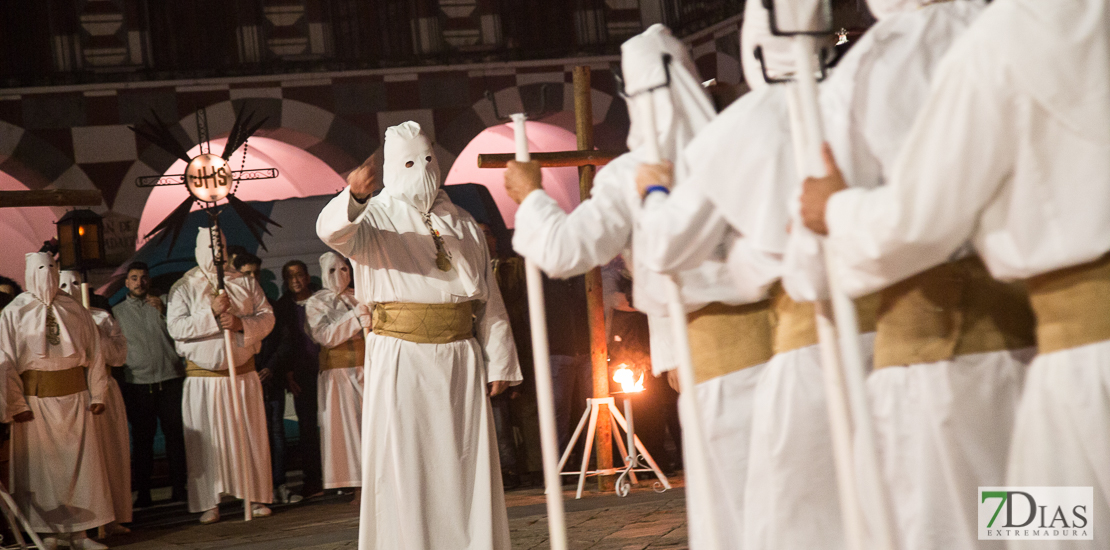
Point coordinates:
[[54, 383], [1072, 305], [725, 339], [795, 323], [950, 310], [195, 370], [424, 323], [349, 354]]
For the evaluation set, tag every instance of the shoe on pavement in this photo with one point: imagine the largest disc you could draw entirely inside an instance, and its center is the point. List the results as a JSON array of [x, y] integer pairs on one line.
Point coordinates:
[[260, 511], [211, 516], [115, 529], [50, 543], [85, 543], [285, 496]]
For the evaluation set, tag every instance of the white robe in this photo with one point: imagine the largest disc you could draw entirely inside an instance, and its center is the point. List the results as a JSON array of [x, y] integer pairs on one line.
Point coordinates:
[[58, 475], [436, 481], [990, 160], [111, 426], [333, 320], [207, 410]]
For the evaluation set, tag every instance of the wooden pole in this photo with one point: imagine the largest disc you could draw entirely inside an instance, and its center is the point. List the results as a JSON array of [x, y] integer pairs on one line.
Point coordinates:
[[595, 305], [552, 160], [51, 197]]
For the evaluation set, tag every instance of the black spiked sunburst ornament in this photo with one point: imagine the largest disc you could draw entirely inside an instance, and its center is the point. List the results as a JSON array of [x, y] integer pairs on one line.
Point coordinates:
[[208, 177]]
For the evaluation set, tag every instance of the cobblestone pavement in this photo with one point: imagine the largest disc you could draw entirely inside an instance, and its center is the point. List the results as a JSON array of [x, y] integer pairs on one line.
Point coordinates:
[[643, 520]]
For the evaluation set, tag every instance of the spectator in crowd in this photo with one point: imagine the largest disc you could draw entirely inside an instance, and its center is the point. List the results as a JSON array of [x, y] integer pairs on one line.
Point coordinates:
[[273, 390], [56, 381], [151, 383], [236, 250], [9, 289], [111, 427], [297, 356], [334, 323], [196, 317]]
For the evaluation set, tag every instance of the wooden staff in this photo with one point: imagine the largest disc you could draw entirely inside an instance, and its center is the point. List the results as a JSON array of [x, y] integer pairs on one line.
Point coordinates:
[[239, 442], [699, 475], [545, 395]]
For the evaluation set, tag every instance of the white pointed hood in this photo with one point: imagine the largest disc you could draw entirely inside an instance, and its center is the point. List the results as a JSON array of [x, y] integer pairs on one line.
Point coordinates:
[[204, 254], [48, 319], [334, 272], [681, 109], [417, 183], [69, 281]]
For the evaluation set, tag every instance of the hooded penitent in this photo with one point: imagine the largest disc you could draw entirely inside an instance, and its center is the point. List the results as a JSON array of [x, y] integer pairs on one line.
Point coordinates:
[[681, 109], [47, 320], [410, 170], [69, 281], [204, 255], [336, 277]]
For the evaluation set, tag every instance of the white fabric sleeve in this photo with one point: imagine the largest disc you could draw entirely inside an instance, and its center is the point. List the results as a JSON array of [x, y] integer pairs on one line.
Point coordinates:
[[661, 341], [185, 323], [494, 334], [97, 372], [941, 182], [113, 344], [14, 402], [326, 331], [258, 324], [565, 245], [679, 231], [337, 229]]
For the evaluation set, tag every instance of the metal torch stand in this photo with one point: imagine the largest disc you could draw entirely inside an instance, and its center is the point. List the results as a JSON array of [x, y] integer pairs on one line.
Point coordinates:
[[631, 459]]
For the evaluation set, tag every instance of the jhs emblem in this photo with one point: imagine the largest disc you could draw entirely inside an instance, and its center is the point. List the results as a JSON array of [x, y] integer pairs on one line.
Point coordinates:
[[208, 178]]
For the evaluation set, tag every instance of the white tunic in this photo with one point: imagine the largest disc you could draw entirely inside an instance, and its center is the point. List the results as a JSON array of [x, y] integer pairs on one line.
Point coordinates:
[[990, 160], [207, 409], [332, 321], [111, 426], [436, 481], [58, 475]]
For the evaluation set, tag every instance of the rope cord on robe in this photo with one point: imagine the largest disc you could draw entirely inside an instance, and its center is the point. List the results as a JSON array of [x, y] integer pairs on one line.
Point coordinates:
[[1071, 305], [950, 310], [424, 323], [54, 383], [194, 370], [714, 346], [348, 355]]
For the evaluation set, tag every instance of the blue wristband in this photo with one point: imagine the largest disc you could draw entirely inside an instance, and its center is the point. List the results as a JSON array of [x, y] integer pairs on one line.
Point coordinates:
[[653, 188]]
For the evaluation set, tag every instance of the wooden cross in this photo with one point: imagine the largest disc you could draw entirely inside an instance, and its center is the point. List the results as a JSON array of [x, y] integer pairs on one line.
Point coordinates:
[[587, 160]]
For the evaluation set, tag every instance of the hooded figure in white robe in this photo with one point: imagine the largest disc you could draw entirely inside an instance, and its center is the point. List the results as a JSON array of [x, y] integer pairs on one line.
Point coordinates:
[[440, 334], [333, 322], [943, 421], [1011, 151], [741, 170], [207, 410], [611, 222], [56, 383], [111, 427]]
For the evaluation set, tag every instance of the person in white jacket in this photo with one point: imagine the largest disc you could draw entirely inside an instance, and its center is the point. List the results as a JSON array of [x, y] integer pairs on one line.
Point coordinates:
[[196, 317], [111, 427], [333, 322], [1010, 151], [611, 222], [440, 343], [55, 386]]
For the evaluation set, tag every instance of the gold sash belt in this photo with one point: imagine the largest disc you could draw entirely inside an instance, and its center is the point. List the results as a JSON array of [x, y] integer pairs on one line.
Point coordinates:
[[349, 354], [425, 323], [950, 310], [195, 370], [1072, 305], [725, 339], [54, 383], [795, 324]]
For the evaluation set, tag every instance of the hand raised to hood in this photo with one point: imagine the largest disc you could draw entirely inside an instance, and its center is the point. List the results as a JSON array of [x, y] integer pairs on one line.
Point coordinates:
[[365, 179]]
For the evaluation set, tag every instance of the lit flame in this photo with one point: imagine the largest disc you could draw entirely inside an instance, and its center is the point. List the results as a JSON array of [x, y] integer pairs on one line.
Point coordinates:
[[81, 230], [623, 376]]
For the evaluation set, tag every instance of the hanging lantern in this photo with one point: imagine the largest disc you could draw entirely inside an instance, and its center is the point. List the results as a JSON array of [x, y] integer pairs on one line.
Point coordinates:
[[81, 240]]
